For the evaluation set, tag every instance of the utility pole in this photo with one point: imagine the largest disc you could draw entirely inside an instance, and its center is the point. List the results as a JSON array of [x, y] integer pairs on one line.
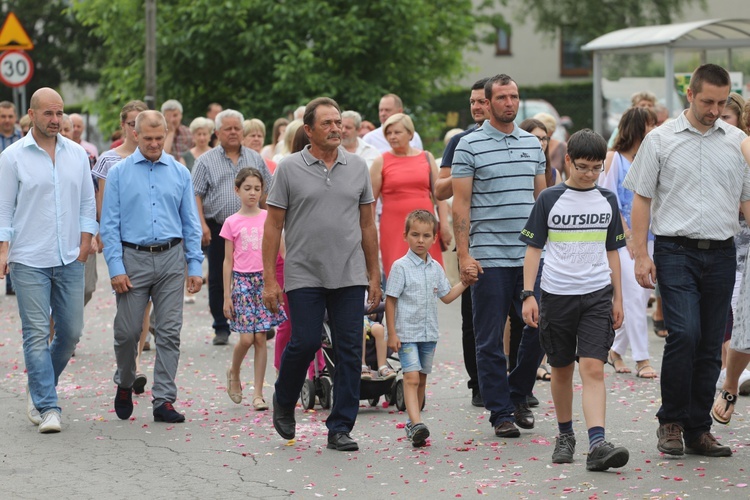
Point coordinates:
[[151, 54]]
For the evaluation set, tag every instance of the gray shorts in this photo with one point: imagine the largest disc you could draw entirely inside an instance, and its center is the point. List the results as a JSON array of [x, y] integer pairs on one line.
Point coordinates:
[[576, 326]]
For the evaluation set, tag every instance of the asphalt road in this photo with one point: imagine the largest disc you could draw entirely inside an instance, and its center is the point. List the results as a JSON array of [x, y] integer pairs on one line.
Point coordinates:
[[228, 451]]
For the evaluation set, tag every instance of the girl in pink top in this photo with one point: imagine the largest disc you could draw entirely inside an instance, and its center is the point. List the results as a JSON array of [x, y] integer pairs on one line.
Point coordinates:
[[243, 284]]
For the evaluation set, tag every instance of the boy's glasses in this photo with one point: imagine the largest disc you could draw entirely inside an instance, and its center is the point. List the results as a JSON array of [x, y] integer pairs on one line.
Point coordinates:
[[593, 170]]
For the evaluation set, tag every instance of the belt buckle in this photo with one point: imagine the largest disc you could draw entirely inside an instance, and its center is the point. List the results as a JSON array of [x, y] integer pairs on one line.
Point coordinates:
[[152, 249], [704, 244]]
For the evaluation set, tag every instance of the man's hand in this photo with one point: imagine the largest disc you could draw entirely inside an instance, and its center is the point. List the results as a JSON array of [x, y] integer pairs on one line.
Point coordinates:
[[194, 284], [530, 312], [99, 244], [273, 296], [206, 237], [374, 294], [470, 270], [645, 271], [94, 245], [121, 283]]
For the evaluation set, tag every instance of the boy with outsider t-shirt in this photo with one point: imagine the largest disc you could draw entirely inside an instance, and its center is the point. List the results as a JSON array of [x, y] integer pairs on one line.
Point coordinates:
[[581, 302]]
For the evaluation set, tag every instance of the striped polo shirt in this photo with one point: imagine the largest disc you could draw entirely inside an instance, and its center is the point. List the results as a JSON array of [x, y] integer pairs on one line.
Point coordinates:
[[695, 180], [503, 167]]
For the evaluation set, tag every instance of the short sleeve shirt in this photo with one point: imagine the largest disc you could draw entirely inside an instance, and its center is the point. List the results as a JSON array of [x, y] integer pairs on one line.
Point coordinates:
[[246, 234], [106, 161], [579, 227], [695, 180], [322, 232], [213, 180], [417, 284], [504, 167]]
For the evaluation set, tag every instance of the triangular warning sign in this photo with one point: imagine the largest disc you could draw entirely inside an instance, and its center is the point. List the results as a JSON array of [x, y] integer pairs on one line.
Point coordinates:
[[13, 36]]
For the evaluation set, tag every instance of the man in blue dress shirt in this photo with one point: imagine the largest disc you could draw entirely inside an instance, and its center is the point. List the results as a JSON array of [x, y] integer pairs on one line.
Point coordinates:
[[47, 220], [150, 230]]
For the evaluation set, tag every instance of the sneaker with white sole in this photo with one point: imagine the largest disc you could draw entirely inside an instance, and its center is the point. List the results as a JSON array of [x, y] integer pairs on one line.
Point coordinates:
[[50, 422], [31, 412], [744, 383]]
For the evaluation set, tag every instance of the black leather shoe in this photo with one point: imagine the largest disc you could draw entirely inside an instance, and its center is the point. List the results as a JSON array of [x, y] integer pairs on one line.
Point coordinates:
[[532, 401], [524, 416], [124, 402], [167, 413], [476, 399], [221, 338], [342, 441], [283, 420], [507, 430]]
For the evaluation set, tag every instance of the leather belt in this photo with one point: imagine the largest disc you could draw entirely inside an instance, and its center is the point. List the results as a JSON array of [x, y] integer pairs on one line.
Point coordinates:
[[697, 244], [153, 248]]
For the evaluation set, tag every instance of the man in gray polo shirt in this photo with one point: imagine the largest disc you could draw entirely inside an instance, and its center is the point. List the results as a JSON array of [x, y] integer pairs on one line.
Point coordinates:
[[322, 198], [689, 178], [497, 172]]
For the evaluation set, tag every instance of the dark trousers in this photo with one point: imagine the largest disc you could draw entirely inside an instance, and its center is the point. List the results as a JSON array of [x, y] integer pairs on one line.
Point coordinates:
[[8, 285], [467, 339], [306, 309], [696, 290], [494, 296], [516, 334], [216, 277]]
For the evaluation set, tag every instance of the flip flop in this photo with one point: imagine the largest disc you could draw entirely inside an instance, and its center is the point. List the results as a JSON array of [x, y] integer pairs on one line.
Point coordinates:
[[545, 376], [622, 369], [729, 400], [660, 329], [648, 375]]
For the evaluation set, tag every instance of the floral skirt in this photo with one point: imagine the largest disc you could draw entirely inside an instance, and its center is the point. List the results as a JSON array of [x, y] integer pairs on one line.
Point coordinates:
[[250, 315]]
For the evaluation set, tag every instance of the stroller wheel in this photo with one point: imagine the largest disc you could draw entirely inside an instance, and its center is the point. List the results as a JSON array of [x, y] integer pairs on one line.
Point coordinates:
[[326, 393], [307, 397], [399, 396], [374, 401]]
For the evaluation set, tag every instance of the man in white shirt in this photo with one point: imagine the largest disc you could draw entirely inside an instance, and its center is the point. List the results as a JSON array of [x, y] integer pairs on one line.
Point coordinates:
[[47, 221], [390, 104], [351, 121]]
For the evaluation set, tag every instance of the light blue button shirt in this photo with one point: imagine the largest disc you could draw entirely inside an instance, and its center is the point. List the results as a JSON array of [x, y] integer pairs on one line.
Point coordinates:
[[44, 207], [417, 285], [150, 203]]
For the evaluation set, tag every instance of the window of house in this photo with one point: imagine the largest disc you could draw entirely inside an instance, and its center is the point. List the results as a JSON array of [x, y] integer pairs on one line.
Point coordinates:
[[502, 42], [573, 61]]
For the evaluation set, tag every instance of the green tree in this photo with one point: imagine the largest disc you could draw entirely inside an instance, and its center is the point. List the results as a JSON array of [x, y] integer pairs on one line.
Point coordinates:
[[592, 18], [264, 57], [63, 50]]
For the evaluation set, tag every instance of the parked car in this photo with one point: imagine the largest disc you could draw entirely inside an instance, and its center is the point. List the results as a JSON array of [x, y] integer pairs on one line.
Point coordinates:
[[527, 108]]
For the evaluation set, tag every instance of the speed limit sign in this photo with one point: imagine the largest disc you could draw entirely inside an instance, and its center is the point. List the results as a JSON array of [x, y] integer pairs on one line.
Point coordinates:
[[16, 68]]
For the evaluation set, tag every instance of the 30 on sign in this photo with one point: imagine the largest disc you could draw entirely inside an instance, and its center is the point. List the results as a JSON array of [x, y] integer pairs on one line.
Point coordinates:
[[16, 68]]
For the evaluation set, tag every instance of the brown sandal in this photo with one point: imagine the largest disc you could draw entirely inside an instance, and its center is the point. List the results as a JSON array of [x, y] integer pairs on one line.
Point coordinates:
[[651, 374]]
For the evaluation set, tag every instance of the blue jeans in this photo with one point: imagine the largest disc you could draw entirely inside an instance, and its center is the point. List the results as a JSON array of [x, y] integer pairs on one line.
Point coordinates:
[[306, 309], [494, 296], [39, 291], [696, 289]]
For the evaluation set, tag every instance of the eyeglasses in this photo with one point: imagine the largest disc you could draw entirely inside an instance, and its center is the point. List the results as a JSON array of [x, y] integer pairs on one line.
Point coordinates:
[[543, 139], [130, 124], [477, 101], [594, 170]]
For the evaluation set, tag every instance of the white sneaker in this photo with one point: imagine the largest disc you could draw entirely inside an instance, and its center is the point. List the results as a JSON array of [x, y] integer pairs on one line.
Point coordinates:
[[722, 378], [31, 410], [50, 422], [744, 382]]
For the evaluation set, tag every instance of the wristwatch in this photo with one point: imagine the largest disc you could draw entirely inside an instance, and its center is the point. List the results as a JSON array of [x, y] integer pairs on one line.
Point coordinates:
[[526, 293]]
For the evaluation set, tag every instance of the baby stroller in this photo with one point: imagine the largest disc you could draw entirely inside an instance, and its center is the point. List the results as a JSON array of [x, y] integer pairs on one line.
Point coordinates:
[[321, 384]]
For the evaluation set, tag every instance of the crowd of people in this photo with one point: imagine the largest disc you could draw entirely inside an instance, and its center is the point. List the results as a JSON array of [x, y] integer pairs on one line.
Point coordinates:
[[559, 247]]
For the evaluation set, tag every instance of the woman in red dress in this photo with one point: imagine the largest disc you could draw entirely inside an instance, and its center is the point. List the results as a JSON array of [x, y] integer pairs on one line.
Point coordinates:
[[404, 178]]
